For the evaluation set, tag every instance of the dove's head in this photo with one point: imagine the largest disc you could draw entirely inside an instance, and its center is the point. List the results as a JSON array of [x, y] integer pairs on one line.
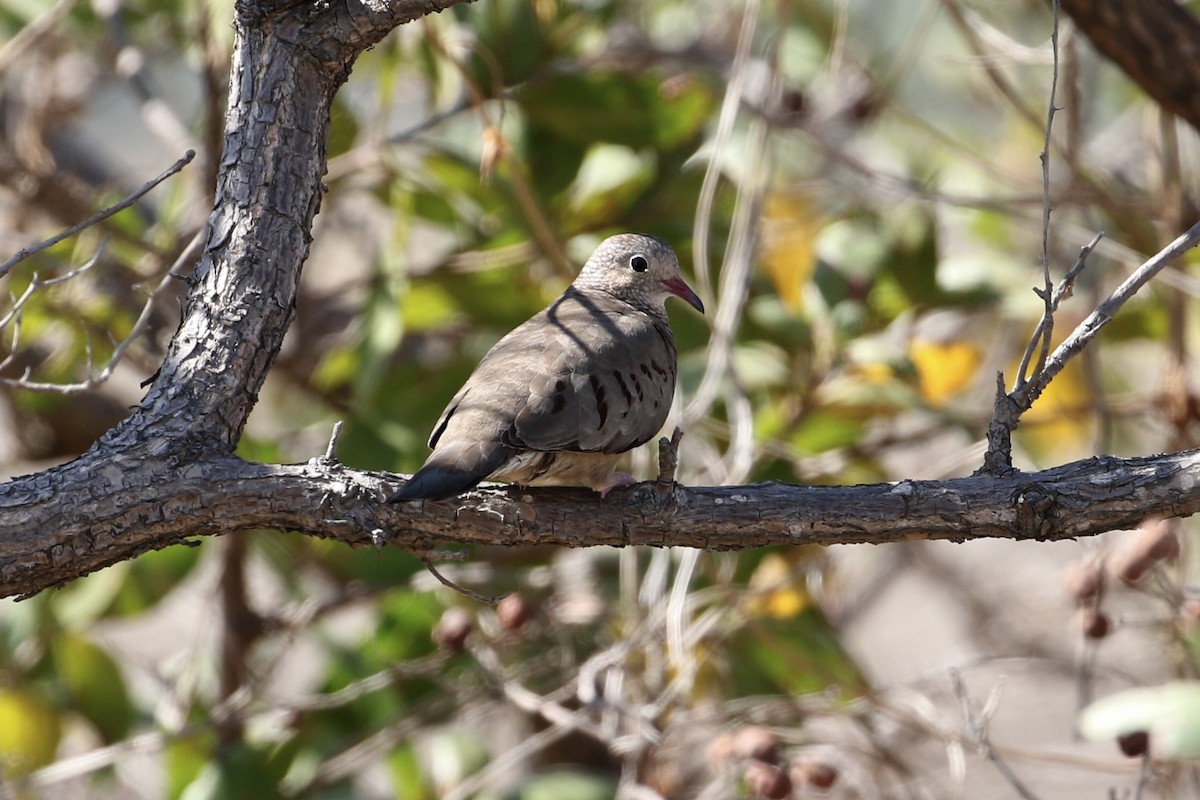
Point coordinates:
[[638, 269]]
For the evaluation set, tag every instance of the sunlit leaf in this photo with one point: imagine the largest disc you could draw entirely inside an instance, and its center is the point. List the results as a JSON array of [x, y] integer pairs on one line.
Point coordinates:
[[790, 226], [776, 590], [567, 785], [29, 731], [407, 775], [944, 369], [1060, 423]]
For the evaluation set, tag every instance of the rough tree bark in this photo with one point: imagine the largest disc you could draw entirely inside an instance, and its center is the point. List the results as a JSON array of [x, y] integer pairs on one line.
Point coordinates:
[[168, 473], [1154, 42]]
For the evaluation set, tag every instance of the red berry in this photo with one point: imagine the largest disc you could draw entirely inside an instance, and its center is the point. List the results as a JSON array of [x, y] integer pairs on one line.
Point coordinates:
[[1134, 744], [756, 743], [767, 780], [1093, 622], [452, 629], [513, 611]]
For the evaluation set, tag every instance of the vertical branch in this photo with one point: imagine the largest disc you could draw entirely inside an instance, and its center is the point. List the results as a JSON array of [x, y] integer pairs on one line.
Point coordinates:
[[712, 173], [1041, 339], [240, 628]]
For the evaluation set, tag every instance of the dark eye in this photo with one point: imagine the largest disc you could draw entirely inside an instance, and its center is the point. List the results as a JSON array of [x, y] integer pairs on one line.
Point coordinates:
[[639, 263]]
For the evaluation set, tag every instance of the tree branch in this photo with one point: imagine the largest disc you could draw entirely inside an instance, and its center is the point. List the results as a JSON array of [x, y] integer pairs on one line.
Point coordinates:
[[99, 216], [1153, 42], [47, 538], [1009, 406]]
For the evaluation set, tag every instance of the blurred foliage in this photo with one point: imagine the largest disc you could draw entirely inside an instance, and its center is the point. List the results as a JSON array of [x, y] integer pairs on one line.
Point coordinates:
[[477, 156]]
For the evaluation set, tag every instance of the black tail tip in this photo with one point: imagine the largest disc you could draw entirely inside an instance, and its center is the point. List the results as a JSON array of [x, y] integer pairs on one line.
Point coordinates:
[[434, 484]]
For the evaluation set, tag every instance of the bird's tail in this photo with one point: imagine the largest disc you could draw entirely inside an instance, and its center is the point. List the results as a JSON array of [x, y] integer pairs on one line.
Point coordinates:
[[452, 470]]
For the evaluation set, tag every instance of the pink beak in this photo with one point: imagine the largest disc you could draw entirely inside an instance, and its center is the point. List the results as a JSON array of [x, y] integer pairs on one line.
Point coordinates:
[[677, 287]]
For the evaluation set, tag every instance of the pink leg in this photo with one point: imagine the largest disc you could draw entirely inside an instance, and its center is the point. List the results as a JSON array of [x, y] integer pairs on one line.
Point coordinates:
[[614, 481]]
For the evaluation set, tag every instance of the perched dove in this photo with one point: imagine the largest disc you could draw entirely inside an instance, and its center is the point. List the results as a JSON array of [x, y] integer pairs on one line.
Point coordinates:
[[561, 397]]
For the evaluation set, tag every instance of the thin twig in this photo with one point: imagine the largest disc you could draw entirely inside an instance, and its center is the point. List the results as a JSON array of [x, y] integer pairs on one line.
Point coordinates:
[[735, 274], [668, 461], [712, 173], [99, 216], [1064, 290], [1087, 330], [331, 449], [976, 725], [442, 579], [1046, 326], [139, 326], [539, 224]]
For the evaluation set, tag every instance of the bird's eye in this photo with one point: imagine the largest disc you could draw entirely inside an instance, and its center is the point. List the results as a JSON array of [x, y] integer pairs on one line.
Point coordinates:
[[639, 263]]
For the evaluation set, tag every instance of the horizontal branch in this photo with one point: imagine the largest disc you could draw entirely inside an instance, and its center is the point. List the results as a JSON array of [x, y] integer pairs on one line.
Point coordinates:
[[49, 535]]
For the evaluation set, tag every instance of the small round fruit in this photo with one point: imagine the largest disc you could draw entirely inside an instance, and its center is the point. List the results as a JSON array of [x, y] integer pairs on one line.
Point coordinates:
[[767, 780], [451, 631], [756, 743]]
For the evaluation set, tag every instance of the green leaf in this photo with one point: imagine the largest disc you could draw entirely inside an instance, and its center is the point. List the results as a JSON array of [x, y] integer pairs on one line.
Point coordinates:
[[184, 759], [825, 429], [632, 110], [797, 654], [508, 43], [95, 684], [408, 778], [567, 784]]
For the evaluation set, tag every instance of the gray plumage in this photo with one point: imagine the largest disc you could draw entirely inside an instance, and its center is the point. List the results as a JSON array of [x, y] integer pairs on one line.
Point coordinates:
[[561, 397]]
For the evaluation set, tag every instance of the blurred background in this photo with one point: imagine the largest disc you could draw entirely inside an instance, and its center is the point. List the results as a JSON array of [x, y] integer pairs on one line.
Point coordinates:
[[855, 191]]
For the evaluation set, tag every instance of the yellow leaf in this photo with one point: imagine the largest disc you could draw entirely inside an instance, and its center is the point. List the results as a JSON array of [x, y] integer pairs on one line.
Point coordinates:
[[29, 732], [944, 368], [1060, 422], [777, 592], [790, 226]]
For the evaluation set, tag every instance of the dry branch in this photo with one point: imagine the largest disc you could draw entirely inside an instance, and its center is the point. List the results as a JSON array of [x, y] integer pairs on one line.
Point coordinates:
[[47, 539], [1011, 405], [1153, 42]]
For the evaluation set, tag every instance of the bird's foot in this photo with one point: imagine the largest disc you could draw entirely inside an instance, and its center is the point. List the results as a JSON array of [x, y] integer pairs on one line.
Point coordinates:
[[614, 481]]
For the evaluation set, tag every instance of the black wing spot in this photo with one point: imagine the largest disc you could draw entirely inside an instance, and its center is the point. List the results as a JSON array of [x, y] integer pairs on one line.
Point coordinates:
[[601, 402], [624, 387], [637, 386], [560, 398], [654, 365]]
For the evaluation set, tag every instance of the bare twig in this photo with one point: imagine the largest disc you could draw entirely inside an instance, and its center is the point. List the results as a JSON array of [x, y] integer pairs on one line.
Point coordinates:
[[1087, 330], [1064, 290], [668, 461], [1009, 407], [977, 731], [331, 449], [139, 327], [1046, 326], [735, 274], [442, 579], [539, 224], [99, 216], [712, 173]]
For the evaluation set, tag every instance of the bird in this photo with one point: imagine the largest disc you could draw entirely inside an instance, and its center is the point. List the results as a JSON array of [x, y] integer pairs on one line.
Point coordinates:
[[558, 399]]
